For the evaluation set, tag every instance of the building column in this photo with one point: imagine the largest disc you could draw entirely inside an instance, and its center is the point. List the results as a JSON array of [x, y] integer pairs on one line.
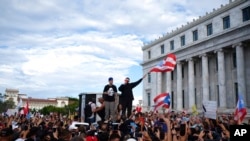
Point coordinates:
[[241, 71], [191, 83], [159, 83], [221, 78], [179, 86], [205, 79], [168, 87], [169, 84]]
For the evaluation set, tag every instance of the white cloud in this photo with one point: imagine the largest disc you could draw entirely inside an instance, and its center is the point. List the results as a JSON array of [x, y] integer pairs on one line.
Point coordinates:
[[60, 47]]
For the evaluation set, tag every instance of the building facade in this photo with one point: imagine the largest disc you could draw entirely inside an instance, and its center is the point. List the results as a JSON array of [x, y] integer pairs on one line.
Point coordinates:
[[212, 60], [34, 103], [11, 94]]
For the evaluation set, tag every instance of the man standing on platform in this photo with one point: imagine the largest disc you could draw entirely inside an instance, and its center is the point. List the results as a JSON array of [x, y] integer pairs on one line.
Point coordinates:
[[109, 93], [126, 98]]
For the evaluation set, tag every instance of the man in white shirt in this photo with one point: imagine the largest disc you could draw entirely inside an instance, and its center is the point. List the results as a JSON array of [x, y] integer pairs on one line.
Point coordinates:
[[91, 119]]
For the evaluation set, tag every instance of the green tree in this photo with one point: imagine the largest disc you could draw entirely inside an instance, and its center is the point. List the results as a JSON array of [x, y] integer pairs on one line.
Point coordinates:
[[8, 104], [68, 109]]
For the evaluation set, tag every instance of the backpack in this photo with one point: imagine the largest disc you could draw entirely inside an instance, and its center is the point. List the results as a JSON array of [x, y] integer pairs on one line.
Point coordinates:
[[88, 110]]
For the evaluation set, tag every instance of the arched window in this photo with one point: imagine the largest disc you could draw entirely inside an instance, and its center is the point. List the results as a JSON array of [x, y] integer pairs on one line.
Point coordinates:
[[62, 103]]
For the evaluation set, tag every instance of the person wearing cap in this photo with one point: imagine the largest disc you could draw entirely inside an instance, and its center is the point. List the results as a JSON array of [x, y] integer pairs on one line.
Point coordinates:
[[109, 94], [126, 98]]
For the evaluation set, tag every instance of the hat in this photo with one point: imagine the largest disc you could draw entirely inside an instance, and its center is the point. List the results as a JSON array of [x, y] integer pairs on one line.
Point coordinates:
[[72, 127], [110, 78]]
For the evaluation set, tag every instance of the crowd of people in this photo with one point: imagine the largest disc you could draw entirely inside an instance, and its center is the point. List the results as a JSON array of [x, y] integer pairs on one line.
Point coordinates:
[[118, 123], [140, 126]]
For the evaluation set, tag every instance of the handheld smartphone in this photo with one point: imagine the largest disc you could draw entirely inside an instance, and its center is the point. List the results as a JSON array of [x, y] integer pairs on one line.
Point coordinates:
[[177, 129], [115, 126], [139, 135], [182, 129], [206, 131], [25, 127]]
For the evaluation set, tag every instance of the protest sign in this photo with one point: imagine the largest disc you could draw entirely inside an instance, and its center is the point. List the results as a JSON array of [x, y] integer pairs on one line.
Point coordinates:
[[209, 109]]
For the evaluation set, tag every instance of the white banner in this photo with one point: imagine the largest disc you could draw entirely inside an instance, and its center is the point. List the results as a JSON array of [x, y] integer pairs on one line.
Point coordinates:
[[11, 112], [210, 109]]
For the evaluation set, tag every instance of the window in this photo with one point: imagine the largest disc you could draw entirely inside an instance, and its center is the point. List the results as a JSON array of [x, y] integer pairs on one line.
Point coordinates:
[[195, 96], [210, 95], [246, 14], [172, 99], [149, 54], [216, 62], [194, 69], [209, 29], [195, 35], [236, 92], [149, 99], [183, 40], [226, 22], [218, 96], [162, 49], [183, 99], [234, 60], [63, 104], [172, 45], [149, 78], [172, 75], [182, 72]]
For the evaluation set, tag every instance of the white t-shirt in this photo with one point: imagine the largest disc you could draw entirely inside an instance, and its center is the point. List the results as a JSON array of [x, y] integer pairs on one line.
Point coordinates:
[[93, 107]]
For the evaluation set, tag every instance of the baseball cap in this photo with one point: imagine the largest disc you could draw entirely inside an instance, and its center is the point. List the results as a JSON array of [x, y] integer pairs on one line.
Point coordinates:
[[127, 79], [110, 78]]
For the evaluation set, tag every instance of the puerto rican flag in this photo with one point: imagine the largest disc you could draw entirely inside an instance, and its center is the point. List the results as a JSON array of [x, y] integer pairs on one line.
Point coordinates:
[[162, 100], [26, 109], [240, 111], [168, 64]]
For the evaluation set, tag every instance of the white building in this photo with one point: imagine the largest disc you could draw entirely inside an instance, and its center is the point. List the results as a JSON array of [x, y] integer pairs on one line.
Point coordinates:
[[212, 54], [11, 94], [34, 103]]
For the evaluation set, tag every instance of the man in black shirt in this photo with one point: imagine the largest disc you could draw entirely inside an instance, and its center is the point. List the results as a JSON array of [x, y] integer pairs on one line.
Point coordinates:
[[126, 98], [109, 93]]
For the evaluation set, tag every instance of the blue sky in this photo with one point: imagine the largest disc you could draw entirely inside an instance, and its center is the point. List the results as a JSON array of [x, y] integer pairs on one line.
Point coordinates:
[[54, 48]]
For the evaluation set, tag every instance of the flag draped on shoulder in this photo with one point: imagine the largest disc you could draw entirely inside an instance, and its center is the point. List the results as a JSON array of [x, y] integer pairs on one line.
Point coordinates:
[[167, 64], [240, 111], [162, 100]]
